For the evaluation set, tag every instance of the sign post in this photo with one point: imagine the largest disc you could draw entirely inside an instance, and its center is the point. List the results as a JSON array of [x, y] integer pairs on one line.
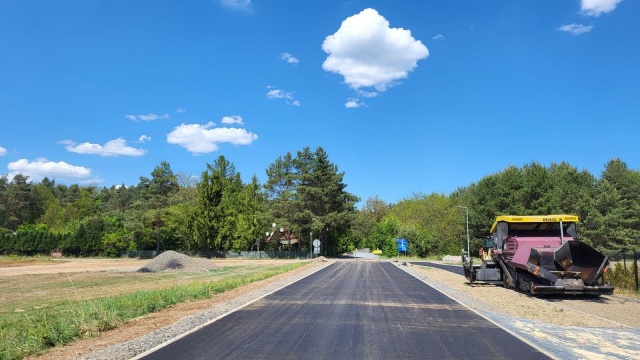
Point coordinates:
[[316, 246]]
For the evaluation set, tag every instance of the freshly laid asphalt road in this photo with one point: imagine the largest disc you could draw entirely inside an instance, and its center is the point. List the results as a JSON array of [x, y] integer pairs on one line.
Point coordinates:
[[451, 268], [351, 310]]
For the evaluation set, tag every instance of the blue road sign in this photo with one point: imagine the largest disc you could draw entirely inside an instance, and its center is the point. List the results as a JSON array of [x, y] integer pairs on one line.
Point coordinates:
[[402, 245]]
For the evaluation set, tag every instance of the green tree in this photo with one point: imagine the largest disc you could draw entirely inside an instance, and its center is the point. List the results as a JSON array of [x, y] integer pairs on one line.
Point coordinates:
[[218, 192]]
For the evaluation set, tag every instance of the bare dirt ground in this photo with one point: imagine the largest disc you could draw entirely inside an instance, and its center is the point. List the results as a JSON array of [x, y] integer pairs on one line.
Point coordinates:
[[146, 324], [606, 311], [11, 268]]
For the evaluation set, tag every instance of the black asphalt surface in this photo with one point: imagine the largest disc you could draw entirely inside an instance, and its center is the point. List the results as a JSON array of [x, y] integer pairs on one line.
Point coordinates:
[[451, 268], [352, 310]]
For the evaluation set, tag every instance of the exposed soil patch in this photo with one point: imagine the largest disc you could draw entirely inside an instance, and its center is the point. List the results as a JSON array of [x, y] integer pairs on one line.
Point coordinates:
[[69, 266], [18, 263]]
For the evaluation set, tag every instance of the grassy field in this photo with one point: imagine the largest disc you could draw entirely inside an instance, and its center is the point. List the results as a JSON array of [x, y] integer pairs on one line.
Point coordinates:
[[45, 310]]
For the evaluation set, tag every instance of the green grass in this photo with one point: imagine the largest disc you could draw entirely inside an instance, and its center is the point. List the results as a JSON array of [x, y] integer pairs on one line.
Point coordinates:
[[12, 258], [31, 332]]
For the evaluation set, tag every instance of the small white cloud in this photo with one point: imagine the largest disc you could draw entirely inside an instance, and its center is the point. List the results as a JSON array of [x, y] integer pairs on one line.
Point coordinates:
[[203, 139], [353, 103], [281, 94], [289, 58], [151, 117], [233, 119], [40, 168], [244, 5], [366, 94], [3, 151], [180, 110], [597, 7], [576, 29], [438, 37], [144, 138], [113, 148], [93, 181], [369, 53], [148, 117]]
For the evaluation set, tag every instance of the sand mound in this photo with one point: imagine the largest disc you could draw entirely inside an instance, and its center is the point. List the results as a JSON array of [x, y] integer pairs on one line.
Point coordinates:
[[173, 261], [321, 258]]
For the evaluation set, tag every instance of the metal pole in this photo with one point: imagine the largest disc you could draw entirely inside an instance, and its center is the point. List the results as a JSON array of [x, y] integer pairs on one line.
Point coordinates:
[[467, 210], [311, 245], [635, 265], [468, 247]]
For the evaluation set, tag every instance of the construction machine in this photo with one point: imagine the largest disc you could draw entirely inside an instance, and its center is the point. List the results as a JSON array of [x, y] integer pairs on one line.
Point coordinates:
[[540, 255]]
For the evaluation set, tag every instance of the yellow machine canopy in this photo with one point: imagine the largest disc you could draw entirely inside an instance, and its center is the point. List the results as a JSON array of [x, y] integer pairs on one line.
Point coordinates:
[[534, 219]]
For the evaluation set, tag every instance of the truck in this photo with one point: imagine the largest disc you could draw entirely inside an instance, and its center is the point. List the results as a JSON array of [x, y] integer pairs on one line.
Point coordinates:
[[539, 255]]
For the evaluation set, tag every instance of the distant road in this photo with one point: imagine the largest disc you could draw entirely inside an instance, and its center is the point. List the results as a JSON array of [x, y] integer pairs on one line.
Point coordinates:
[[352, 310], [451, 268]]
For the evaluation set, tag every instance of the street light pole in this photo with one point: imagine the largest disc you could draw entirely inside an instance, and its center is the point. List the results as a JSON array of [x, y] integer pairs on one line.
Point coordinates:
[[467, 209]]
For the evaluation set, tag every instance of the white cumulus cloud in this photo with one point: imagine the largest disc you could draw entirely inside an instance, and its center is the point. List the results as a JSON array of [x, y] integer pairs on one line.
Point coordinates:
[[180, 110], [369, 53], [203, 139], [144, 138], [233, 119], [576, 29], [289, 58], [438, 37], [113, 148], [3, 151], [38, 169], [597, 7]]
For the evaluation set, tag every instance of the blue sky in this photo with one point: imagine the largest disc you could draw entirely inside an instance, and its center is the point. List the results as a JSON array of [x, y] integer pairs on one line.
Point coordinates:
[[405, 96]]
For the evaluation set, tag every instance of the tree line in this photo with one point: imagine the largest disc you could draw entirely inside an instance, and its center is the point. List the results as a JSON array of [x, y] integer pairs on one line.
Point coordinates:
[[608, 208], [305, 197], [304, 194]]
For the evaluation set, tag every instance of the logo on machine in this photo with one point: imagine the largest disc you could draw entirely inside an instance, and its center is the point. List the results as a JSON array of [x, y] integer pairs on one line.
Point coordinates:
[[549, 219]]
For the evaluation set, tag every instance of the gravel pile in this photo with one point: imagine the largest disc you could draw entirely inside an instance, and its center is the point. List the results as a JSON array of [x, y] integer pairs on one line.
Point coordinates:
[[173, 261]]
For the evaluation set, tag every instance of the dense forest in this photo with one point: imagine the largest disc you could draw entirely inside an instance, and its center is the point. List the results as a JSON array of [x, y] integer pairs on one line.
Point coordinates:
[[305, 194]]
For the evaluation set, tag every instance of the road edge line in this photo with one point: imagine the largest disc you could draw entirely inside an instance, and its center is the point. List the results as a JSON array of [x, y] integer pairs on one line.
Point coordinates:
[[199, 327], [511, 332]]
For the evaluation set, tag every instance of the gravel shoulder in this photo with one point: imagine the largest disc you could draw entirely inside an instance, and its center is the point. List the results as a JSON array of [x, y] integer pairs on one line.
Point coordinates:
[[569, 329], [606, 311]]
